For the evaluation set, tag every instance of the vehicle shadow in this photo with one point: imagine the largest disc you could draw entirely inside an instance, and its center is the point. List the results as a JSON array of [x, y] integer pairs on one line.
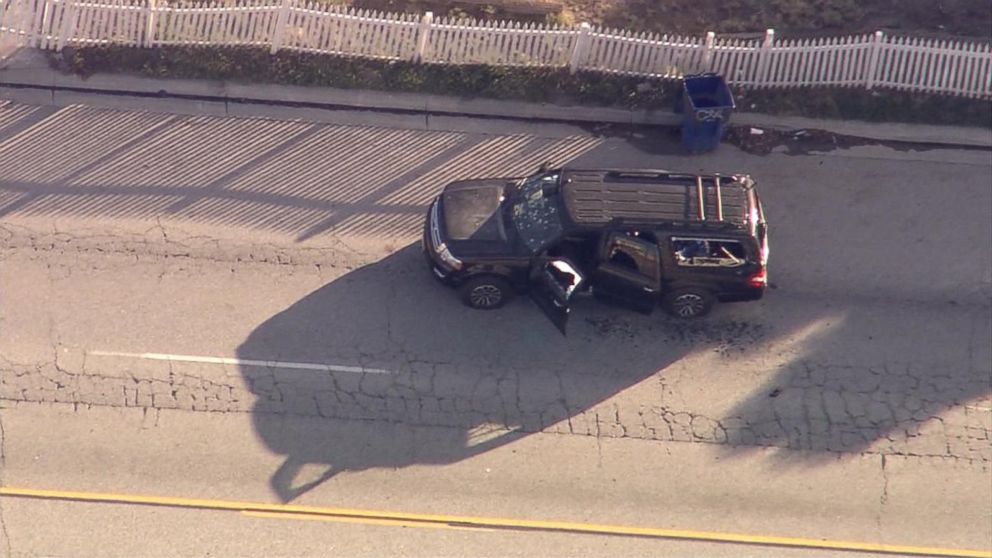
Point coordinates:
[[483, 379], [415, 378]]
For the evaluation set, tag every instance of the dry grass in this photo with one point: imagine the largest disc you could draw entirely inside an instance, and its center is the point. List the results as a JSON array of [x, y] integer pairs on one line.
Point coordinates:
[[972, 18]]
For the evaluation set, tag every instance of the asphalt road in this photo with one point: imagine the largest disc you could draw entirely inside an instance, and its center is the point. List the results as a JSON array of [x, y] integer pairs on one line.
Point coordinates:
[[234, 309]]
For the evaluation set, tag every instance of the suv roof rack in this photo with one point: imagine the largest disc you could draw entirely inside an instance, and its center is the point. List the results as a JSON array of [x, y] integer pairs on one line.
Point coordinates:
[[594, 197]]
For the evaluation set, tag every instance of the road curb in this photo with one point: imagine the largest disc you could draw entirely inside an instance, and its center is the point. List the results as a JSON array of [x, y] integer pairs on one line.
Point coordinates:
[[336, 100]]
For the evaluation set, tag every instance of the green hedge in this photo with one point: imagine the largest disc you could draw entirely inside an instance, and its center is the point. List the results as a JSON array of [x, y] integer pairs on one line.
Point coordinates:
[[554, 85], [550, 85]]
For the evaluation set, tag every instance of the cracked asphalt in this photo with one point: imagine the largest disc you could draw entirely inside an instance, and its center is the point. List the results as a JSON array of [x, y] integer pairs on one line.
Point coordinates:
[[869, 359], [460, 373], [3, 464]]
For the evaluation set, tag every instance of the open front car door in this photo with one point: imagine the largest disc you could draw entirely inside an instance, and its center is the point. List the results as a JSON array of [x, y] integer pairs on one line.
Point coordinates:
[[552, 287]]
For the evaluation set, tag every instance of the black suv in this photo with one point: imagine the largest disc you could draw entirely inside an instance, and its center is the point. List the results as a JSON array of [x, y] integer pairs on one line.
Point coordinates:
[[630, 237]]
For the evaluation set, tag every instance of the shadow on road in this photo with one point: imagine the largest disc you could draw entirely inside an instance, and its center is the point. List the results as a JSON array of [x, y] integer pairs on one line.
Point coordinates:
[[444, 383], [866, 346], [484, 378]]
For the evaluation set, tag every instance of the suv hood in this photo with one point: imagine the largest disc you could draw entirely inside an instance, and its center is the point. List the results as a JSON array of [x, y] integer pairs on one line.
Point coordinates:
[[471, 210]]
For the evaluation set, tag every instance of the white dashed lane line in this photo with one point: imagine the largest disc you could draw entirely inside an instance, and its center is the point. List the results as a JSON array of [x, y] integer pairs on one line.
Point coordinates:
[[322, 367]]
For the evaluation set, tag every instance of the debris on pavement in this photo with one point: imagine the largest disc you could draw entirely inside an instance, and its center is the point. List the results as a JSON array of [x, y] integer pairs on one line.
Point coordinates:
[[762, 141]]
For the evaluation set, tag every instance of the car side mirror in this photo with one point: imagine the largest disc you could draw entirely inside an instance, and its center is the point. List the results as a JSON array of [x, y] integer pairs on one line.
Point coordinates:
[[545, 167]]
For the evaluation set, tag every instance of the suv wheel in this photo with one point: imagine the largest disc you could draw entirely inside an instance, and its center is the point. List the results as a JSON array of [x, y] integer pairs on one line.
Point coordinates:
[[689, 302], [486, 293]]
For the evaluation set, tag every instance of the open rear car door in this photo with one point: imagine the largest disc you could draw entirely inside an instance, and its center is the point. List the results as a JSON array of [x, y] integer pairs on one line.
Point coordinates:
[[553, 285], [629, 272]]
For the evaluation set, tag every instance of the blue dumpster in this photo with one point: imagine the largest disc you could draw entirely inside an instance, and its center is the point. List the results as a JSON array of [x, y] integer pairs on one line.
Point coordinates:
[[706, 106]]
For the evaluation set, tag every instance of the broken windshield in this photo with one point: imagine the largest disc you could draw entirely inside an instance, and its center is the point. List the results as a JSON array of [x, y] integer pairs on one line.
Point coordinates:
[[535, 211]]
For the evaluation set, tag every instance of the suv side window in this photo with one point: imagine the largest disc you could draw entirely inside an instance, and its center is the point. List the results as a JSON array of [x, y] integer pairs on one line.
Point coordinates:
[[708, 252], [633, 254]]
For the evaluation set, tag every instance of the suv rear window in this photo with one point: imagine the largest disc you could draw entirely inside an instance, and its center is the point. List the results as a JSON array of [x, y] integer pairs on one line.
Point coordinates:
[[708, 252]]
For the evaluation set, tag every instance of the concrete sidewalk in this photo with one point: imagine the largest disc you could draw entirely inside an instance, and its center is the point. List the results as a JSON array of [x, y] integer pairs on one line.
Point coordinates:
[[27, 77]]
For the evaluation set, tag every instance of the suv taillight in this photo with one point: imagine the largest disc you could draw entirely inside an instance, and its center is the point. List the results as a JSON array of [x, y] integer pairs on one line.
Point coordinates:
[[758, 280]]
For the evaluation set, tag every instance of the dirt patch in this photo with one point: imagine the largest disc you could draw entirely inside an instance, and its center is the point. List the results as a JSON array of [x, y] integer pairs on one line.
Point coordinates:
[[760, 141], [530, 11], [962, 18], [807, 17]]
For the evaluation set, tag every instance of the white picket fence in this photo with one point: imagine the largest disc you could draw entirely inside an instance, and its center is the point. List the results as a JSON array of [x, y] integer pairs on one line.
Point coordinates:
[[955, 67]]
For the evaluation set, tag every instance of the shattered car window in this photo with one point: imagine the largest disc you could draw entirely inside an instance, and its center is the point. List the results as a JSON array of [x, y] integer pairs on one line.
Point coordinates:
[[699, 252], [535, 212]]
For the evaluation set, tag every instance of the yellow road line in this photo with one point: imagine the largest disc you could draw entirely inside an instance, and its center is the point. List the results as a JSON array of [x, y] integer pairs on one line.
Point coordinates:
[[374, 516], [361, 520]]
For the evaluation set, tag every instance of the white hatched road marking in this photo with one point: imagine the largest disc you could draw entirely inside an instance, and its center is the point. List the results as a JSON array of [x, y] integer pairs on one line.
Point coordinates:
[[98, 160], [10, 113], [480, 159], [375, 224], [407, 225], [69, 140], [500, 156], [344, 164], [556, 153], [194, 152], [321, 367]]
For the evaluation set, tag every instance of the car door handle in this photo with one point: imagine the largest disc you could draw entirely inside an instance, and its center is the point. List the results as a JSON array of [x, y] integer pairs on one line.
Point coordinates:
[[648, 289]]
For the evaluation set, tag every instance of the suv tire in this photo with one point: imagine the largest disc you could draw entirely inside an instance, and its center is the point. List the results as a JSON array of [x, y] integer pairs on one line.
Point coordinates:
[[689, 302], [486, 292]]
